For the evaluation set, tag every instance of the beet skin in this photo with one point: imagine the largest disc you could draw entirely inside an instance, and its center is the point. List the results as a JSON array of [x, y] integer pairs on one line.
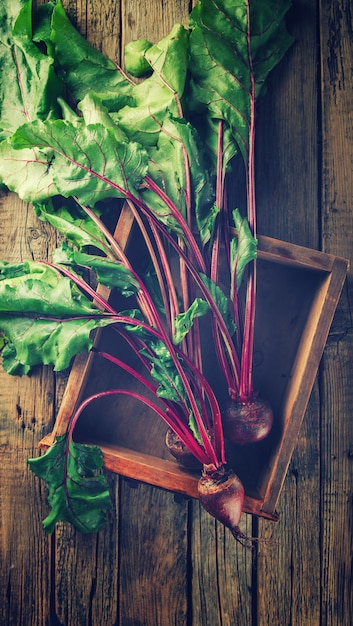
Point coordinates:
[[247, 422]]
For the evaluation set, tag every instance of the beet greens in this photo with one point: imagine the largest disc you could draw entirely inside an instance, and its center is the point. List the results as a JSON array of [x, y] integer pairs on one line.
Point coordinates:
[[84, 143]]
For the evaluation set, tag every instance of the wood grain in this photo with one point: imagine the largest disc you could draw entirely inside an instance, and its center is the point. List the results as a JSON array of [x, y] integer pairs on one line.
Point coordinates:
[[288, 208], [86, 585], [162, 560], [222, 581], [26, 414], [337, 379], [85, 590], [153, 547], [287, 138]]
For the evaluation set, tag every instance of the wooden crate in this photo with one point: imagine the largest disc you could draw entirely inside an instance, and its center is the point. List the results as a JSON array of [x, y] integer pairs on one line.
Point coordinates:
[[298, 291]]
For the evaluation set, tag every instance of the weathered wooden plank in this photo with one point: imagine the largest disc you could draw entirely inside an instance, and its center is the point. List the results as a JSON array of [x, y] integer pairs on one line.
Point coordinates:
[[287, 581], [285, 153], [222, 580], [26, 411], [86, 573], [85, 587], [151, 20], [76, 564], [287, 140], [288, 588], [336, 488], [337, 382], [153, 564]]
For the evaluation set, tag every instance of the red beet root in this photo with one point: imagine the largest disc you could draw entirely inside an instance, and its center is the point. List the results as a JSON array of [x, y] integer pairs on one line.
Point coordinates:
[[221, 494], [247, 422], [179, 451]]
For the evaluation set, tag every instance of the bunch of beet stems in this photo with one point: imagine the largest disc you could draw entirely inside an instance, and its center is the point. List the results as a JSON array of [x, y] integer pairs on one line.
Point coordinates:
[[199, 397], [196, 389]]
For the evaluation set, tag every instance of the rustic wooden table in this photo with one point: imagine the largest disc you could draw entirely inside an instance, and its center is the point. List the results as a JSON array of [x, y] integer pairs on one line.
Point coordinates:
[[161, 560]]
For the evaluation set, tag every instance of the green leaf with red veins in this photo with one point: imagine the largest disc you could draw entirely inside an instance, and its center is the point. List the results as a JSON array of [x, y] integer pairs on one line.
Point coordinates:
[[160, 94], [94, 112], [84, 161], [168, 59], [232, 41], [185, 320], [31, 88], [27, 172], [69, 219], [84, 68], [78, 492], [44, 317], [109, 272], [175, 162], [134, 57], [35, 341], [138, 109]]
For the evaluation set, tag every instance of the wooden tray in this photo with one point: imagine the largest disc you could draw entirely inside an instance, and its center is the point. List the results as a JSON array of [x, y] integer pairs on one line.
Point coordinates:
[[298, 291]]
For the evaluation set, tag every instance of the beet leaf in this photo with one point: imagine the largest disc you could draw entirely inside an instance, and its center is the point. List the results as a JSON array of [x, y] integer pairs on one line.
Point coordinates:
[[185, 320], [32, 87], [82, 67], [83, 160], [243, 249], [68, 219], [77, 492], [109, 273], [224, 56], [44, 317]]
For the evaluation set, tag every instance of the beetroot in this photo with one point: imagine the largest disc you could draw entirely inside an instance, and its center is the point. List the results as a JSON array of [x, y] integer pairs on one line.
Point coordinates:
[[247, 422], [221, 494], [179, 451]]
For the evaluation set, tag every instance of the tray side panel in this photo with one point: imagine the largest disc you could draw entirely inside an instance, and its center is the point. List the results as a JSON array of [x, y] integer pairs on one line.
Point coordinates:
[[304, 373]]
